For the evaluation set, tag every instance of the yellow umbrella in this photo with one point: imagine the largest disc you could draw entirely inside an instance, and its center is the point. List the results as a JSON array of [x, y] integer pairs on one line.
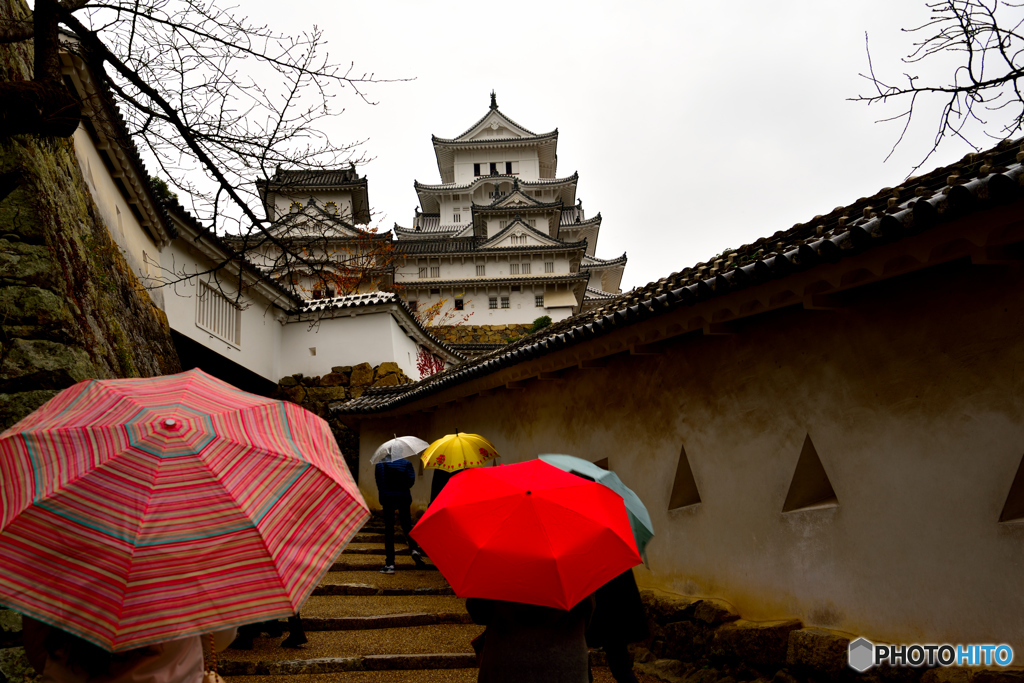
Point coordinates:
[[458, 451]]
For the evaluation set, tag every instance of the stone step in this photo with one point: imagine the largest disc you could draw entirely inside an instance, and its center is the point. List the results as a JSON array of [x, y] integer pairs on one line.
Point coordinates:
[[448, 609], [375, 562], [370, 589], [405, 580], [378, 676], [363, 537], [464, 675], [335, 665], [435, 639]]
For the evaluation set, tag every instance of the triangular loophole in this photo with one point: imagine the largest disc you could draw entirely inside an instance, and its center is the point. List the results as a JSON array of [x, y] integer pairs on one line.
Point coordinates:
[[684, 489], [1013, 509], [810, 487]]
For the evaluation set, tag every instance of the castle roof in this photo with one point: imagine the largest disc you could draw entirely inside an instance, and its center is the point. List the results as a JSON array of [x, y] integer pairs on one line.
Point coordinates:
[[428, 194], [919, 209], [298, 182], [494, 129]]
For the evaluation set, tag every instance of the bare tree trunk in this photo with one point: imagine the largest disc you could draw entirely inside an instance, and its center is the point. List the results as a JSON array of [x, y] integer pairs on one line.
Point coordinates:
[[42, 106]]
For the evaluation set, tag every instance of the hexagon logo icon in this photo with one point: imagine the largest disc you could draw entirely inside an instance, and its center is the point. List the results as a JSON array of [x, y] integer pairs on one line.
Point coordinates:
[[861, 654]]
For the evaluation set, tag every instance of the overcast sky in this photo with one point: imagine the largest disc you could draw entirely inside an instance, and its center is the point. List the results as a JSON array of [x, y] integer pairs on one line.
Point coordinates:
[[694, 128]]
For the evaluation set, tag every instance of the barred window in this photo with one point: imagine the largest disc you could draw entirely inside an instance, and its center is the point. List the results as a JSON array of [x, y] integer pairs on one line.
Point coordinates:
[[549, 266], [513, 269], [538, 300], [504, 302], [435, 271], [458, 304], [481, 271], [456, 217], [525, 268], [492, 303], [423, 271], [216, 314]]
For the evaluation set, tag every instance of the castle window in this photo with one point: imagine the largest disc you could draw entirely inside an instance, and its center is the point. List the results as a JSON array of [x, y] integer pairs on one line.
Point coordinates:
[[494, 168], [216, 314], [476, 169], [516, 288], [508, 167], [457, 217], [481, 271], [456, 197], [492, 302], [532, 222], [526, 268], [504, 302], [423, 271], [538, 300], [331, 208], [435, 271], [502, 225], [295, 207], [513, 269], [458, 304], [549, 266], [435, 292]]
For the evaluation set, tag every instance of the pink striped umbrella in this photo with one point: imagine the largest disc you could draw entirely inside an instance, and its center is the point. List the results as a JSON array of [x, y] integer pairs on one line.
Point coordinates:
[[136, 511]]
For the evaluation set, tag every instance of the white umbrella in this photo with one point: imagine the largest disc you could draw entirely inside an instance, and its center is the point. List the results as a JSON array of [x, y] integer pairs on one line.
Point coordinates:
[[398, 448]]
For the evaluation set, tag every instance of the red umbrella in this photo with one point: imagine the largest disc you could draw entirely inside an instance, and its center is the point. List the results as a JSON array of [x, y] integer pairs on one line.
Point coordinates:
[[528, 532], [141, 510]]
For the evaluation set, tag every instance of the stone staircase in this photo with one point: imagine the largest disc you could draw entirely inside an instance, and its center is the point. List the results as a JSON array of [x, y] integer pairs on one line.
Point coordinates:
[[364, 626]]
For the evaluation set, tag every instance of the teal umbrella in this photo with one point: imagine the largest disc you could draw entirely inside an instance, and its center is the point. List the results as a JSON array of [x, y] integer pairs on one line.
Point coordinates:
[[639, 519]]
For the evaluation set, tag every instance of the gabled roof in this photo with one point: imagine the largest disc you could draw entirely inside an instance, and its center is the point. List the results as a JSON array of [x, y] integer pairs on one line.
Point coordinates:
[[596, 264], [494, 129], [516, 199], [921, 206], [517, 227], [299, 182], [317, 308]]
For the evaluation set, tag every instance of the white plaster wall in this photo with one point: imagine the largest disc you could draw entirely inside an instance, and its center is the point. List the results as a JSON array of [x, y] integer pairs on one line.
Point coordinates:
[[495, 265], [912, 397], [282, 203], [372, 338], [522, 305], [529, 165], [133, 240], [260, 339]]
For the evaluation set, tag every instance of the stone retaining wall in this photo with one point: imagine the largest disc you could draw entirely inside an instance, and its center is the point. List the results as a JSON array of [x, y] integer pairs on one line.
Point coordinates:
[[479, 334], [343, 382], [701, 640]]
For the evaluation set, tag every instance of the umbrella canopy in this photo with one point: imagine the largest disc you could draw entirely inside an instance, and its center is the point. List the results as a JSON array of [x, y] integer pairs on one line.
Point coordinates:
[[459, 451], [398, 448], [142, 510], [639, 518], [528, 533]]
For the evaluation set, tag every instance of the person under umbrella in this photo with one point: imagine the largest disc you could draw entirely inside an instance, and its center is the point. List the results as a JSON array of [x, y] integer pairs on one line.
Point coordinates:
[[395, 477], [453, 453]]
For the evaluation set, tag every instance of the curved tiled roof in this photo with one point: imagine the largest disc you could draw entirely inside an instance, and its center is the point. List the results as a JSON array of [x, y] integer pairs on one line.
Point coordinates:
[[568, 221], [327, 177], [494, 108], [471, 245], [553, 135], [594, 262], [450, 187], [484, 281], [594, 293], [373, 299], [976, 182]]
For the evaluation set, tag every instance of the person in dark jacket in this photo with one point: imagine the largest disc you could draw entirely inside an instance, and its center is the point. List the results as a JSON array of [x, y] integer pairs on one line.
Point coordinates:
[[394, 479], [530, 643], [619, 619]]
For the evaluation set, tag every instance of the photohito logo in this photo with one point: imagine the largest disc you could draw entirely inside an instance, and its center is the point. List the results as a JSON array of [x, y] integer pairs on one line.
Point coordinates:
[[863, 654]]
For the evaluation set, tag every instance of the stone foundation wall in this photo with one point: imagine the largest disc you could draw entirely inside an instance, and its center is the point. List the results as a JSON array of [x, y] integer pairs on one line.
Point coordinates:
[[315, 394], [695, 640], [70, 306], [479, 334]]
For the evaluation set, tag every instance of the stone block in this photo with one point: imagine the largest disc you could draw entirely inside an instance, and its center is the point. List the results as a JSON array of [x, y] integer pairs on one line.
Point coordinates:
[[665, 609], [335, 379], [326, 394], [43, 364], [387, 381], [342, 369], [296, 394], [311, 381], [288, 382], [714, 612], [362, 375], [15, 406], [33, 305], [14, 665], [387, 368], [356, 391], [818, 649], [10, 628], [668, 670], [762, 643], [24, 263]]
